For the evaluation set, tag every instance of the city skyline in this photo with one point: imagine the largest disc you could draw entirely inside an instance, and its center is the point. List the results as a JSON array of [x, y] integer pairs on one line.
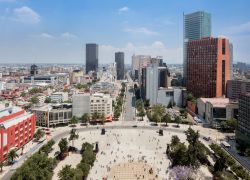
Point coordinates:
[[36, 32]]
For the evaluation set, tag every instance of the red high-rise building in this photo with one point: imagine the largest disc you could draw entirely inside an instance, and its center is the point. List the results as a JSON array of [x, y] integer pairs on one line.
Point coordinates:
[[17, 128], [208, 67]]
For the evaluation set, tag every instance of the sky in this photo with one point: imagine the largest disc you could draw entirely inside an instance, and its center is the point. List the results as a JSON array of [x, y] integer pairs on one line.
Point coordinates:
[[56, 31]]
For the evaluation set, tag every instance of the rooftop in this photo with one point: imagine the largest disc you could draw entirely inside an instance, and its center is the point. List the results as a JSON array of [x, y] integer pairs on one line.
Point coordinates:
[[217, 102]]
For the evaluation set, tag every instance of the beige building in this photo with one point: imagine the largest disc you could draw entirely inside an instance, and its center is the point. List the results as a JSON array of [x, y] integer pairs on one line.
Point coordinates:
[[217, 110], [76, 77]]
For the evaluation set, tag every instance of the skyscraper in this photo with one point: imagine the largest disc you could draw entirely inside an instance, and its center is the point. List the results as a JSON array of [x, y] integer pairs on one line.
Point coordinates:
[[195, 26], [242, 133], [208, 67], [91, 57], [119, 59]]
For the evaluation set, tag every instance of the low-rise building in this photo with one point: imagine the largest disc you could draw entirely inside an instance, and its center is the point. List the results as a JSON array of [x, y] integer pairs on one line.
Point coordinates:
[[59, 97], [217, 110], [91, 103], [17, 128], [81, 104], [51, 115]]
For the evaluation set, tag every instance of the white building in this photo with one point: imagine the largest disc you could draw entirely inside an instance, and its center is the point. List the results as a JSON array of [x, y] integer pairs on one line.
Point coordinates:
[[59, 97], [53, 114], [2, 85], [86, 103], [101, 103], [152, 83], [81, 104]]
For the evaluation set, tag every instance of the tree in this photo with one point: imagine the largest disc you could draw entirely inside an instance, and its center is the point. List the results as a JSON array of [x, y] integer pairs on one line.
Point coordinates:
[[47, 100], [178, 120], [103, 118], [220, 164], [192, 136], [1, 166], [231, 123], [12, 155], [85, 118], [66, 173], [85, 168], [174, 141], [95, 116], [166, 118], [23, 94], [179, 155], [39, 134], [157, 112], [63, 146], [169, 105], [73, 136], [73, 120], [34, 100]]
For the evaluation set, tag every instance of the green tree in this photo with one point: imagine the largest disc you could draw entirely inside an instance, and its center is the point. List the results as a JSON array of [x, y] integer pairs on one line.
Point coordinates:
[[103, 118], [231, 123], [67, 173], [85, 118], [34, 100], [174, 141], [95, 116], [1, 166], [73, 136], [157, 111], [12, 155], [166, 118], [63, 146], [47, 100], [39, 134], [179, 155], [23, 94], [85, 168], [178, 120], [73, 120], [220, 164], [169, 105]]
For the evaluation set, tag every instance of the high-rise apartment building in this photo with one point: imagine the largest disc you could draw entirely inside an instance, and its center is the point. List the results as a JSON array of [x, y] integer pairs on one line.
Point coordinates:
[[91, 57], [139, 62], [119, 59], [196, 25], [243, 129], [208, 67]]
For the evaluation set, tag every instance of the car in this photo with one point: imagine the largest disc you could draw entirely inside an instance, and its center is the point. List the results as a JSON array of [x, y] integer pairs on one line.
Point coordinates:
[[134, 126], [206, 138]]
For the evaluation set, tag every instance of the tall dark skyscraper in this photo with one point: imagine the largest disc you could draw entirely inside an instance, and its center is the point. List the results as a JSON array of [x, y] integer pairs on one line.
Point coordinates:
[[91, 57], [196, 25], [119, 59]]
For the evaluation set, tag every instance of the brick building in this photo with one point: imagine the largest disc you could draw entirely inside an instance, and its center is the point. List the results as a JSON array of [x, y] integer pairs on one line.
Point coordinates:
[[17, 128], [208, 67]]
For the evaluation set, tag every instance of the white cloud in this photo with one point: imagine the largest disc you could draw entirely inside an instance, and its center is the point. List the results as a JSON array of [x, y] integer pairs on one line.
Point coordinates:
[[26, 15], [123, 9], [46, 35], [68, 35], [157, 48], [141, 30], [241, 28]]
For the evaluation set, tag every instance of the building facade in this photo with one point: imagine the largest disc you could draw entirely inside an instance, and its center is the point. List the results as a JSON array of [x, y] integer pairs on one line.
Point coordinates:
[[91, 58], [51, 115], [59, 97], [243, 129], [119, 59], [17, 128], [196, 25], [81, 104], [237, 87], [208, 67]]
